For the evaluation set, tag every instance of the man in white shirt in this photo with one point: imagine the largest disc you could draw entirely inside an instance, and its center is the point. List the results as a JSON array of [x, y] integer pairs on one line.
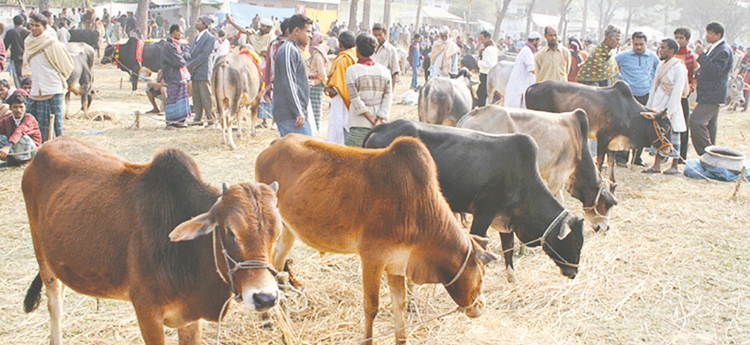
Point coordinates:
[[487, 59], [50, 66], [386, 54], [523, 74], [670, 85], [63, 35]]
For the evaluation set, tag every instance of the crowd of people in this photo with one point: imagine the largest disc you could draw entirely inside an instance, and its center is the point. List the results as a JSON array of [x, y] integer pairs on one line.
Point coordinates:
[[358, 72]]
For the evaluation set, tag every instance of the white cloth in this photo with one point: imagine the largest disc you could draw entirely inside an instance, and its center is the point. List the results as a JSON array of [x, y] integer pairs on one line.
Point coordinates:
[[338, 121], [489, 59], [311, 119], [47, 81], [713, 45], [659, 100], [51, 30], [63, 35], [520, 79]]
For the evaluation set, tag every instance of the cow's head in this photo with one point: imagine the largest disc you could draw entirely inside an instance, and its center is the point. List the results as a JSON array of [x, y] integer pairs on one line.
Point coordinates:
[[244, 223], [735, 89], [597, 207], [661, 128], [109, 54], [563, 243], [464, 280]]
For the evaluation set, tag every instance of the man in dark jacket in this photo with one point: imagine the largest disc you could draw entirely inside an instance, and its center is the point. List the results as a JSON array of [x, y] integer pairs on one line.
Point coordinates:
[[200, 52], [291, 91], [14, 41], [713, 78]]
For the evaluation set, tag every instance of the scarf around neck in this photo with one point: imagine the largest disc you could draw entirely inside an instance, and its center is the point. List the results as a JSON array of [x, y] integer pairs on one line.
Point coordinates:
[[531, 46], [367, 61], [52, 50]]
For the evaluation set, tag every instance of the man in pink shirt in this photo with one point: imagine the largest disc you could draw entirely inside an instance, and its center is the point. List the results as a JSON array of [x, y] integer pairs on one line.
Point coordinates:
[[19, 133]]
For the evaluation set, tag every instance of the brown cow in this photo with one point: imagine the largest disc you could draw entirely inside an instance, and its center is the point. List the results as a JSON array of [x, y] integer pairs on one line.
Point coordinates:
[[236, 83], [112, 229], [384, 205]]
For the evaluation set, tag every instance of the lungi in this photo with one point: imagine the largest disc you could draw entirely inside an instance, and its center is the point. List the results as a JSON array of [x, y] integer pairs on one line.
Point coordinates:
[[337, 121], [177, 107], [42, 110]]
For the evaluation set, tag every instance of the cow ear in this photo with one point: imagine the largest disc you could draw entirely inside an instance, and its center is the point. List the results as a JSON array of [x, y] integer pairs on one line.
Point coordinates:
[[193, 228], [609, 198], [648, 115], [274, 186], [481, 241], [486, 257]]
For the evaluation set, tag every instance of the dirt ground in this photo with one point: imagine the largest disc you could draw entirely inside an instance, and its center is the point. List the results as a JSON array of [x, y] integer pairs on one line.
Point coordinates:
[[674, 268]]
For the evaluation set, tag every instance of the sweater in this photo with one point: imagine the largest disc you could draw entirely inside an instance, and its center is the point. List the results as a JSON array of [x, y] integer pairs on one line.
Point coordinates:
[[291, 92], [28, 126], [370, 91]]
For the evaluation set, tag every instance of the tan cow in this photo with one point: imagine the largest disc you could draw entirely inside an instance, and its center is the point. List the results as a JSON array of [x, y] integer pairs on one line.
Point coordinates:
[[563, 154], [236, 83], [384, 205], [151, 234]]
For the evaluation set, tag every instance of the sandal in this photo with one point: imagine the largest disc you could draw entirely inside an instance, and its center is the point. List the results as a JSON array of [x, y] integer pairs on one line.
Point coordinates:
[[651, 171], [671, 172]]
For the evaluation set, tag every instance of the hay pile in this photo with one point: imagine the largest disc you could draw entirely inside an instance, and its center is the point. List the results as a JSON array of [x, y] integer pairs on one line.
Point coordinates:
[[674, 269]]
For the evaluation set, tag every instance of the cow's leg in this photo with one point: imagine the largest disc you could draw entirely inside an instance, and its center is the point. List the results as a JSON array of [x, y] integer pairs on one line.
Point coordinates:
[[611, 160], [150, 323], [371, 273], [190, 334], [55, 306], [398, 300], [67, 105], [508, 243], [601, 151], [134, 82], [283, 246], [481, 223]]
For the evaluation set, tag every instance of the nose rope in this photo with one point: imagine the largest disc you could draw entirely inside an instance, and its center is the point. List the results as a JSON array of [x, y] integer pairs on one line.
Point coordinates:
[[596, 202], [463, 265]]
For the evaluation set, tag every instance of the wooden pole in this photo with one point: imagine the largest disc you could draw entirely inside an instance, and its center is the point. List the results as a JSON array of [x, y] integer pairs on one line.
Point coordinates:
[[51, 133]]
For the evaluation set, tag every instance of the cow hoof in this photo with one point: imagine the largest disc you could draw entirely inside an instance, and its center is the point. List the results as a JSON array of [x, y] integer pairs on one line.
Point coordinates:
[[511, 275]]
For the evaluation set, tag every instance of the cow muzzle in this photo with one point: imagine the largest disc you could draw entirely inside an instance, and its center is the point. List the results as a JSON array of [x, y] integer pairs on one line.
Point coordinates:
[[260, 299], [569, 271], [476, 308]]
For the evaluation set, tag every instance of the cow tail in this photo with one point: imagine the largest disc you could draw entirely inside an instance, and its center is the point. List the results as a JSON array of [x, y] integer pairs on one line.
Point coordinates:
[[33, 295]]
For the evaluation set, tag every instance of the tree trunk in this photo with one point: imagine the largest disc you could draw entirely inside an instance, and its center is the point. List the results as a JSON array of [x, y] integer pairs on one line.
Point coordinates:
[[627, 24], [601, 20], [529, 10], [501, 11], [43, 5], [366, 16], [353, 8], [564, 9], [195, 12], [387, 14], [141, 16], [585, 12], [419, 15]]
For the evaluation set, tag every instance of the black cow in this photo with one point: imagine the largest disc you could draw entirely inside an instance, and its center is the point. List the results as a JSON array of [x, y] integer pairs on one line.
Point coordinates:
[[128, 62], [616, 120], [495, 178], [90, 37], [470, 62], [81, 79]]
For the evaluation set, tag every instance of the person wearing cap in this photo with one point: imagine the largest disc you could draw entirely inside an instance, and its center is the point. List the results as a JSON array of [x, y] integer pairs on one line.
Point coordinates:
[[258, 40], [202, 47], [522, 75]]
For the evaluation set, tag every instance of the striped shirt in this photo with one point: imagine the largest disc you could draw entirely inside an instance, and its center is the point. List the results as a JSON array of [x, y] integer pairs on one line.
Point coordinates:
[[291, 92], [370, 91], [688, 57]]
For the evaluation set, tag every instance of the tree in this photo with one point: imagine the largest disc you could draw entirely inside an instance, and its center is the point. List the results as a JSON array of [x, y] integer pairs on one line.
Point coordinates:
[[419, 14], [501, 11], [366, 15], [529, 10], [584, 15], [141, 16], [565, 6], [731, 13], [195, 10], [43, 5], [387, 14], [606, 12], [353, 15]]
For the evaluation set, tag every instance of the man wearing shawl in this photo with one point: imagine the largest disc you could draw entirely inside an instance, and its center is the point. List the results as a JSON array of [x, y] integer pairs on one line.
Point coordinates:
[[522, 76], [444, 56], [336, 89], [317, 73], [670, 86], [176, 75], [51, 66], [600, 68]]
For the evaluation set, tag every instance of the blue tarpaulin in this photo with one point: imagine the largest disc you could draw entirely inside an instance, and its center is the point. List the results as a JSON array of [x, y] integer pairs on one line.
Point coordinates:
[[694, 169], [243, 13]]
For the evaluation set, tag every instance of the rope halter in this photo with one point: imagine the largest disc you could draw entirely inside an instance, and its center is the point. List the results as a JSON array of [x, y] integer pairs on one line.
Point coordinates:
[[236, 266]]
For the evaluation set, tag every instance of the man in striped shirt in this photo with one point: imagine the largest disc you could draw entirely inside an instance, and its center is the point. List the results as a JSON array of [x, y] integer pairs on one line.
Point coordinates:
[[369, 85], [291, 92]]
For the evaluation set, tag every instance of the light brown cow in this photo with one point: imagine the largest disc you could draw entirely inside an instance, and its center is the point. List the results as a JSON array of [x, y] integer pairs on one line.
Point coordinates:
[[563, 154], [384, 205], [236, 83], [112, 229]]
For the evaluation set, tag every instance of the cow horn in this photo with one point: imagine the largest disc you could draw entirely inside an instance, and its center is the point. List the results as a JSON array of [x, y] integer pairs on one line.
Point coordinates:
[[274, 186], [564, 231], [481, 241], [648, 115], [224, 188]]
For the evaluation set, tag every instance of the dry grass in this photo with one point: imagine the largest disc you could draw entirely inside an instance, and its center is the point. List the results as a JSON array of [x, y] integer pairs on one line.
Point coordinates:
[[674, 269]]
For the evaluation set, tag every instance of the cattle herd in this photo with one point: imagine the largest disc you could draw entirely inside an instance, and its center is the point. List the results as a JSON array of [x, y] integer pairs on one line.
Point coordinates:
[[182, 249]]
